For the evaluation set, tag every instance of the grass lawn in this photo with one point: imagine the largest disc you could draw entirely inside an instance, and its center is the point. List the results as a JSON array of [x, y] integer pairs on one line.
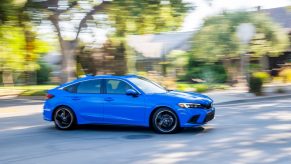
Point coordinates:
[[203, 87], [31, 90]]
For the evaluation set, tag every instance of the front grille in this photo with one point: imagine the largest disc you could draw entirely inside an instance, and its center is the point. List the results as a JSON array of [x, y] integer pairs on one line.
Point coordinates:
[[209, 116], [207, 106]]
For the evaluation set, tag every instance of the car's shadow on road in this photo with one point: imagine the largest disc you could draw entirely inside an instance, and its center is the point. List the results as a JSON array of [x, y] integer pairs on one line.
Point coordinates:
[[136, 129]]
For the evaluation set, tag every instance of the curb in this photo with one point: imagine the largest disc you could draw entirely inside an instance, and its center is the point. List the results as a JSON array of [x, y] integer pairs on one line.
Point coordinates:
[[253, 99], [13, 97], [31, 97]]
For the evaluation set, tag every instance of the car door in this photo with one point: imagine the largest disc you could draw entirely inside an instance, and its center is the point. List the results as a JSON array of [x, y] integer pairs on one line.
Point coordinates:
[[120, 108], [88, 100]]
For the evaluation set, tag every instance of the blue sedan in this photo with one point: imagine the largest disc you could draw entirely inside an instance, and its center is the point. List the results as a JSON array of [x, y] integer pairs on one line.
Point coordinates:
[[125, 100]]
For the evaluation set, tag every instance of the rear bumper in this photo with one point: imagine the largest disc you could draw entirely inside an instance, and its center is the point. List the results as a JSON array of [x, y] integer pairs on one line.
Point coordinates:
[[47, 114]]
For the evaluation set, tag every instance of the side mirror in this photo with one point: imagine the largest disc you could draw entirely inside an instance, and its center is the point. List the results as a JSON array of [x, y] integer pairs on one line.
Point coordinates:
[[131, 92]]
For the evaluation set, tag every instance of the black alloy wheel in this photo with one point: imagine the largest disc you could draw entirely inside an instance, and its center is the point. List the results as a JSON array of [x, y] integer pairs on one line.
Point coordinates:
[[165, 121], [64, 118]]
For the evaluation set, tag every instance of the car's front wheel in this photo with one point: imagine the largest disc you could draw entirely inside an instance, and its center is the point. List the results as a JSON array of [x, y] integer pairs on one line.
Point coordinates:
[[64, 118], [165, 121]]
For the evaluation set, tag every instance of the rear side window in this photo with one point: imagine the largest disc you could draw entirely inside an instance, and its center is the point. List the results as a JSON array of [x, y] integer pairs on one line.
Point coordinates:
[[91, 86], [71, 88]]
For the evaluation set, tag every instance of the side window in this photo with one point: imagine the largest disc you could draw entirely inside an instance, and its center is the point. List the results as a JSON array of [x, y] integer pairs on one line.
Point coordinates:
[[71, 88], [116, 87], [91, 86]]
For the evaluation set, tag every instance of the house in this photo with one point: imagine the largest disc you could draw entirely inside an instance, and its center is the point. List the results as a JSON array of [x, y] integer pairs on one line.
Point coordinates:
[[152, 49], [282, 16]]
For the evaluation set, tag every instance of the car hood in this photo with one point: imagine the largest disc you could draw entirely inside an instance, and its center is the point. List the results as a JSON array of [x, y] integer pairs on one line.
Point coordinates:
[[186, 97]]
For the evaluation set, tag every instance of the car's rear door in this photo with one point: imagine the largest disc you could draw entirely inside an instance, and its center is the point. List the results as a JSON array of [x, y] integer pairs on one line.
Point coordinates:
[[120, 108], [88, 101]]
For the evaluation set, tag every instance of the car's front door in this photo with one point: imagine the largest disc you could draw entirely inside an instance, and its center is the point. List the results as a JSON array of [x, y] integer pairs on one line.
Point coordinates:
[[120, 108]]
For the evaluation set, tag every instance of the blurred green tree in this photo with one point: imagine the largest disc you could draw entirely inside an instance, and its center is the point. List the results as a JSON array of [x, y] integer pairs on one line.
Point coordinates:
[[20, 48], [143, 17], [217, 40], [146, 16], [125, 17]]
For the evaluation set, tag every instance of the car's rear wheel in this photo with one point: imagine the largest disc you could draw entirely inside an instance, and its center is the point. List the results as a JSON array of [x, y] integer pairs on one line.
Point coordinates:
[[64, 118], [165, 121]]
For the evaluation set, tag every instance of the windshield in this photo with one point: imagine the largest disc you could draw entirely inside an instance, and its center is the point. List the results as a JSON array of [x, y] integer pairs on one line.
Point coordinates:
[[147, 86]]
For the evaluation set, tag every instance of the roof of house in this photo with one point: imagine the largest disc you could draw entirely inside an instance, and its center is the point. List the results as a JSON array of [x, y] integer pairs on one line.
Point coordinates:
[[281, 15], [158, 45]]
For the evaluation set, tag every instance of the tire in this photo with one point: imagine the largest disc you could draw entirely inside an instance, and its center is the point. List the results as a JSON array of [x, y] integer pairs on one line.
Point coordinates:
[[64, 118], [165, 121]]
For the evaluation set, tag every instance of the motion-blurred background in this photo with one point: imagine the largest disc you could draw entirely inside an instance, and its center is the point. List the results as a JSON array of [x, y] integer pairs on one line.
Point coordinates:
[[190, 45]]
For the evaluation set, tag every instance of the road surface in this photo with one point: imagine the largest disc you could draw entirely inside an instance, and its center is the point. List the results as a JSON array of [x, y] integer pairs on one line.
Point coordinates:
[[257, 132]]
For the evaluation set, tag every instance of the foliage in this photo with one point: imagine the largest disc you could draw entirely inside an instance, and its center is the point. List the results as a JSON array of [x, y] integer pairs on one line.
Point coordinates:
[[270, 38], [209, 72], [254, 67], [43, 73], [20, 48], [12, 43], [280, 90], [33, 90], [116, 18], [201, 87], [264, 76], [145, 16], [255, 85], [178, 58], [137, 17], [217, 39], [33, 93], [6, 10], [286, 75]]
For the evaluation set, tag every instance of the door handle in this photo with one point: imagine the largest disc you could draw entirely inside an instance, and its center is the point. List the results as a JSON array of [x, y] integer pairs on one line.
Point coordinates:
[[76, 98], [108, 99]]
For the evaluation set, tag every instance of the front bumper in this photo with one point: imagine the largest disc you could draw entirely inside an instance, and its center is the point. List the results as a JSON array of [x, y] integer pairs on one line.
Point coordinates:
[[198, 117]]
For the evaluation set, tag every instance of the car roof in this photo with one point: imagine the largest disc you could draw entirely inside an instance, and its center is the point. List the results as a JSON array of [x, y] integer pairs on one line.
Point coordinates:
[[88, 77], [109, 76]]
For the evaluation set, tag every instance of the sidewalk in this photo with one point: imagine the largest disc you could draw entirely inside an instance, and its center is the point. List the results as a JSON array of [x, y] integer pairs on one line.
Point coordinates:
[[236, 95]]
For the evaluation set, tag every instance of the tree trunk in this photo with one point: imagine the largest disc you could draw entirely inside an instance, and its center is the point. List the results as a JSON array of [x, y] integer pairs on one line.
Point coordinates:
[[264, 62], [7, 77], [229, 70], [120, 67], [68, 63], [68, 51]]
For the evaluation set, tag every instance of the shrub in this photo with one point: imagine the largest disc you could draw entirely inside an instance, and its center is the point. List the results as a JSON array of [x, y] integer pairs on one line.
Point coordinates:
[[181, 87], [209, 72], [255, 85], [264, 76], [280, 90], [43, 74], [286, 75]]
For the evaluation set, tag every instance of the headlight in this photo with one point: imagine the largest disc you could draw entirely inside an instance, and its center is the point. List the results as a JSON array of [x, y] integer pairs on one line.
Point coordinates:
[[189, 105]]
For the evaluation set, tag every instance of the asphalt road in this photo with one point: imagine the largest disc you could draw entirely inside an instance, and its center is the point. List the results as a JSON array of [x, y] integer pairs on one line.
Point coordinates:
[[257, 132]]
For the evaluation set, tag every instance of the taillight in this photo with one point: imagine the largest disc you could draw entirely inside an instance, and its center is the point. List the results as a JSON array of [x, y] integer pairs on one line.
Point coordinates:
[[49, 96]]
